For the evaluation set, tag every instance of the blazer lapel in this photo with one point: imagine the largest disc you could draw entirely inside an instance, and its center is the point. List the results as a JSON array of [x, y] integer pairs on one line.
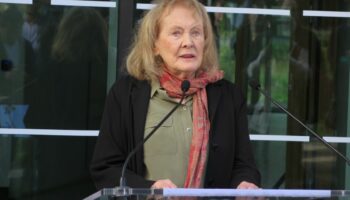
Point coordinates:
[[213, 95], [140, 100]]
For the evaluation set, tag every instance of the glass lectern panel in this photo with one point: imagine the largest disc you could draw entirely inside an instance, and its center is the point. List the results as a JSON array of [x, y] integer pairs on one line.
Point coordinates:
[[194, 194]]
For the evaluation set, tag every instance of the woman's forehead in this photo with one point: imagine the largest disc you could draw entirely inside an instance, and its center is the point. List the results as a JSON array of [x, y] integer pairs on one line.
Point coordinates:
[[169, 9]]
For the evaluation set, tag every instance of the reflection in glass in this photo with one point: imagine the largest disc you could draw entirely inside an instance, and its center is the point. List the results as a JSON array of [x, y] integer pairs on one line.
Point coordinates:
[[53, 75]]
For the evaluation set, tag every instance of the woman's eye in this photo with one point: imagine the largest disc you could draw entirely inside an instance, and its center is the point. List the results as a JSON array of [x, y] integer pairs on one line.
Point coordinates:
[[176, 33], [196, 33]]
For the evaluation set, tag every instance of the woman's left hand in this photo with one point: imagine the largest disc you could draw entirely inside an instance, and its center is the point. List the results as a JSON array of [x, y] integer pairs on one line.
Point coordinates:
[[247, 185]]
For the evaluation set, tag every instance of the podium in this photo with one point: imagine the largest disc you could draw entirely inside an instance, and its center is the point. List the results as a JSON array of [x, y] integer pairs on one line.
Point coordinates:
[[182, 193]]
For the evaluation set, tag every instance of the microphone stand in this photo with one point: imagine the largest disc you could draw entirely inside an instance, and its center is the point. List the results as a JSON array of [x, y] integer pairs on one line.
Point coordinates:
[[185, 85], [255, 85]]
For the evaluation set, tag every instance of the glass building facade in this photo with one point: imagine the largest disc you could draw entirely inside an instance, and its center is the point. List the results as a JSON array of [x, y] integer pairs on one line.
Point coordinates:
[[60, 57]]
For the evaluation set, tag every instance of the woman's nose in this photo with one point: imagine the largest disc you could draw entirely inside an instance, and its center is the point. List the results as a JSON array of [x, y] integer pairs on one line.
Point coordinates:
[[187, 41]]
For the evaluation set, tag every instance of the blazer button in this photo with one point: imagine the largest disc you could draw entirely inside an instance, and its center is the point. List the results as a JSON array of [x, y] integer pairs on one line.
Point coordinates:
[[214, 146], [211, 181]]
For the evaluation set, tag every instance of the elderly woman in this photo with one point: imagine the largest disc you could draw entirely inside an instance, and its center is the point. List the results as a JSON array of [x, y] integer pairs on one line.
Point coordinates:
[[205, 142]]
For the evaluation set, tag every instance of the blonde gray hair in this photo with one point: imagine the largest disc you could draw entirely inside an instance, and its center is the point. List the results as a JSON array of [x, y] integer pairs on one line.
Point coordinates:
[[143, 64]]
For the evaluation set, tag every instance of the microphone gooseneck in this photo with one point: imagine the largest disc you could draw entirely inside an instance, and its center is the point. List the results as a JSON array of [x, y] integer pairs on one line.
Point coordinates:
[[255, 85], [185, 86]]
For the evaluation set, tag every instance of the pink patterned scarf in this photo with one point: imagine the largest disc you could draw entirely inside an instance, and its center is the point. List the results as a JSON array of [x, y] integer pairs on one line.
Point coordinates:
[[201, 123]]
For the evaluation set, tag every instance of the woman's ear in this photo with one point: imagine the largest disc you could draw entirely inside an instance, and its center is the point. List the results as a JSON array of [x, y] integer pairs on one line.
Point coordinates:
[[155, 50]]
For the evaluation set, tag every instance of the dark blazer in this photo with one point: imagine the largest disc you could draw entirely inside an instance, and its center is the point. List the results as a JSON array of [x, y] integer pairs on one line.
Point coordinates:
[[230, 159]]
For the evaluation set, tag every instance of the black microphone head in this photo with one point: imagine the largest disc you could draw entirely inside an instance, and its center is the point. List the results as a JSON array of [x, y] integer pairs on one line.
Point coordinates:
[[185, 85], [254, 84]]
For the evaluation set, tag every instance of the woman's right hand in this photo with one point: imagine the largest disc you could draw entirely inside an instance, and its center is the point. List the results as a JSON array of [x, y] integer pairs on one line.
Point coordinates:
[[163, 183]]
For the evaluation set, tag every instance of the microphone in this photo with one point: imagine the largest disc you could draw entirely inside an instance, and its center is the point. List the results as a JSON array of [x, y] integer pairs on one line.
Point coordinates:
[[185, 85], [255, 85]]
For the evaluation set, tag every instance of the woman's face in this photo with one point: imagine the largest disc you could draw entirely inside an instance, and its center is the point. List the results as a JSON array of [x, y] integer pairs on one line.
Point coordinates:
[[180, 42]]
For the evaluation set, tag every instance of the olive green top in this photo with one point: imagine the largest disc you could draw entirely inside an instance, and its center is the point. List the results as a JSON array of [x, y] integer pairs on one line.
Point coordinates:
[[166, 152]]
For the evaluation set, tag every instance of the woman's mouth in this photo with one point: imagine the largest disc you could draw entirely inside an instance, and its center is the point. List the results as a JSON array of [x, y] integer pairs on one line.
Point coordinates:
[[187, 56]]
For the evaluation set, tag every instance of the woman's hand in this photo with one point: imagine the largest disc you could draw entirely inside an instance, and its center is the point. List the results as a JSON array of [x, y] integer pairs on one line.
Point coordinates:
[[247, 185], [164, 183]]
